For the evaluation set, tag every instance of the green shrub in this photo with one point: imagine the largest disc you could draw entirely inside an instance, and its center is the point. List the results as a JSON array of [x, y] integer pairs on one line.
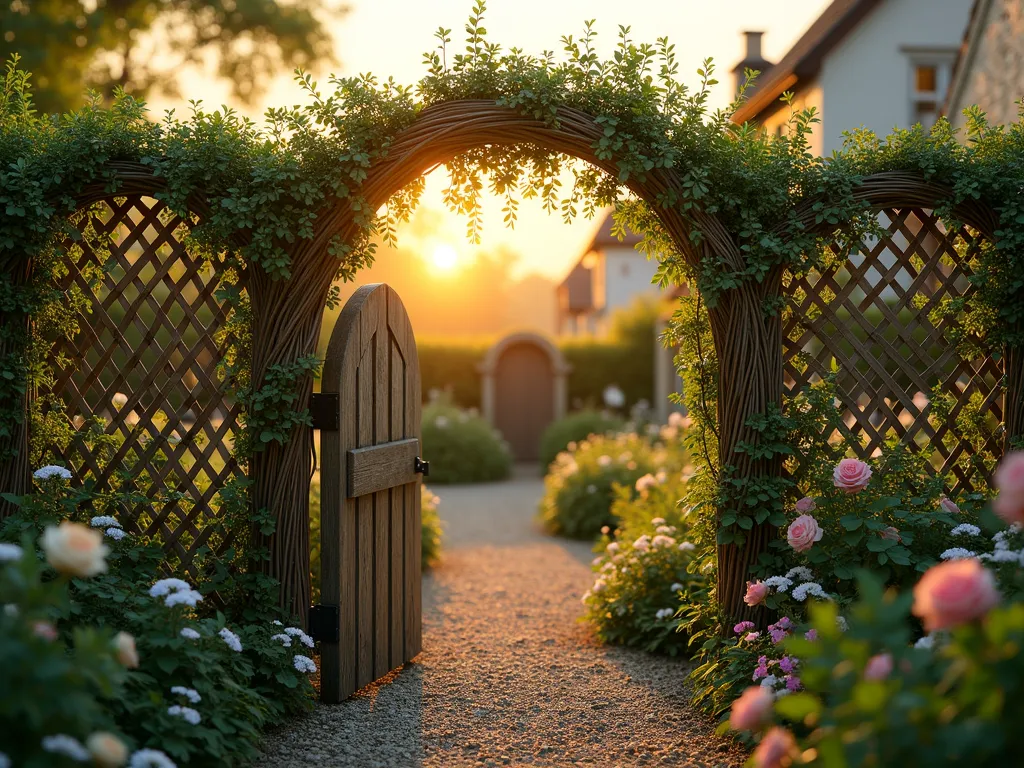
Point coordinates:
[[431, 525], [574, 428], [461, 447], [580, 485], [645, 572]]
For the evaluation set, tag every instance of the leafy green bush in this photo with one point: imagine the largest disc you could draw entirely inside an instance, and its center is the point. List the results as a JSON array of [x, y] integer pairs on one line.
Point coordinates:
[[431, 525], [462, 447], [199, 687], [579, 488], [645, 572], [573, 428]]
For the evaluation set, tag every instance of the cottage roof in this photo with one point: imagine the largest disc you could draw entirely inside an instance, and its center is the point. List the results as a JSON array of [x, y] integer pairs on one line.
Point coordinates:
[[803, 61]]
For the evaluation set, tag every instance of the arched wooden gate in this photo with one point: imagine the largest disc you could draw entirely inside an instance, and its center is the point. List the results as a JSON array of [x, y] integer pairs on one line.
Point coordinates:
[[370, 513]]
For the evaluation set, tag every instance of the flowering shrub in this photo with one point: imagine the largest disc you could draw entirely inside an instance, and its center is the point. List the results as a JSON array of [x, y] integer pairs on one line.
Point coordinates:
[[575, 428], [112, 659], [873, 697], [580, 485], [642, 578], [462, 447]]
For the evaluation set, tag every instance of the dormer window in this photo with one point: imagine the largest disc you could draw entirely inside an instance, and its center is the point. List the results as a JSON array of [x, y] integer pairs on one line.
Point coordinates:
[[930, 73]]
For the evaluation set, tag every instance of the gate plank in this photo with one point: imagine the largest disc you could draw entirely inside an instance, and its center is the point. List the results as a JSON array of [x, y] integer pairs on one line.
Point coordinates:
[[378, 467], [396, 499], [381, 505]]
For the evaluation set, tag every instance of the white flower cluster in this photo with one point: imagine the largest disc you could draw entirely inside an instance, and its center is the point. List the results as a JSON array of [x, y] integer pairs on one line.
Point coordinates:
[[927, 642], [104, 521], [150, 758], [305, 639], [189, 693], [966, 529], [68, 746], [801, 591], [800, 572], [231, 640], [284, 639], [187, 714], [778, 583], [189, 634], [664, 613], [1003, 556], [175, 592], [676, 587], [50, 471], [957, 553], [115, 533], [687, 546], [304, 664], [5, 761], [10, 553]]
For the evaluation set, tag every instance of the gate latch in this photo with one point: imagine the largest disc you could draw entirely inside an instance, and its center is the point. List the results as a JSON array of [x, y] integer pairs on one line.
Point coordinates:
[[325, 623], [421, 467]]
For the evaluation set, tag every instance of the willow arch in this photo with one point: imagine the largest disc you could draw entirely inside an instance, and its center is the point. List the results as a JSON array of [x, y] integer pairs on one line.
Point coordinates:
[[287, 313]]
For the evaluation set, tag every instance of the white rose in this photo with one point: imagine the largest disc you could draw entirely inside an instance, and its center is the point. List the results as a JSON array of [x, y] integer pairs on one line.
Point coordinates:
[[75, 549], [126, 653], [107, 750]]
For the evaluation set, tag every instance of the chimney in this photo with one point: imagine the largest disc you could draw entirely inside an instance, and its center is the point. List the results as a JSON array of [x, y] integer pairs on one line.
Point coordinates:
[[752, 59]]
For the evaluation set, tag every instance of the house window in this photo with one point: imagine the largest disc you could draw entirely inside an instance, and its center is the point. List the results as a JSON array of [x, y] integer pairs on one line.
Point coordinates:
[[929, 80]]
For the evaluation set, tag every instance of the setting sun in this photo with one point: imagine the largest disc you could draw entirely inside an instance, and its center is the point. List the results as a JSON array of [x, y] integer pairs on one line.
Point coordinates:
[[445, 257]]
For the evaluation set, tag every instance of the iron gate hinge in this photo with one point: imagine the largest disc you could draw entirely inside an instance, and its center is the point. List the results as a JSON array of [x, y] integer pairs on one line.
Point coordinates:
[[421, 467], [325, 411], [325, 623]]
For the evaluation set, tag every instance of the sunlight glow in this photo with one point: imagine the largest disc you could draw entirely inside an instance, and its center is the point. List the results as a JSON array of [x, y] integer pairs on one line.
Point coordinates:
[[444, 257]]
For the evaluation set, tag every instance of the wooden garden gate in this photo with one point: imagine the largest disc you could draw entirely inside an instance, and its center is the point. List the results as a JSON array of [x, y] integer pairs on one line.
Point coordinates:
[[370, 513]]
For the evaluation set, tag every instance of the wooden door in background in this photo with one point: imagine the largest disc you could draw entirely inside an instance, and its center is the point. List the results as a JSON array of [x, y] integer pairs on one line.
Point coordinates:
[[524, 398]]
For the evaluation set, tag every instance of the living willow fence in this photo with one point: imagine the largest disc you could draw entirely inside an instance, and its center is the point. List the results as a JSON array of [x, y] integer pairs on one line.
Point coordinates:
[[154, 331]]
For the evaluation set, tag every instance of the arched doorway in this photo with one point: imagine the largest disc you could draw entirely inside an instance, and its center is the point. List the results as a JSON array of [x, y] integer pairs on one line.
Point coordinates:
[[523, 390]]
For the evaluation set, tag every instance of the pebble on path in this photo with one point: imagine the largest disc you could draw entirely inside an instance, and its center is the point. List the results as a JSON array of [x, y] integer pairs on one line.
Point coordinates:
[[508, 675]]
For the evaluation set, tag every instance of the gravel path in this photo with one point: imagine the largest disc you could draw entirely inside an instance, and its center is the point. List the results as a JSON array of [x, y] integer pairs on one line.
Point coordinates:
[[508, 675]]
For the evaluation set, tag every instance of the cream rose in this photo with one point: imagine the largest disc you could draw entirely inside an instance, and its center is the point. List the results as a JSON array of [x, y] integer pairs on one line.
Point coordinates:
[[75, 549], [1009, 481], [107, 750], [851, 475], [953, 593], [126, 652], [803, 532]]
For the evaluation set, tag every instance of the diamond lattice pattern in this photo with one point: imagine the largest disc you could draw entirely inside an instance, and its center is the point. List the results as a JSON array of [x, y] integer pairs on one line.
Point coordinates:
[[145, 362], [871, 315]]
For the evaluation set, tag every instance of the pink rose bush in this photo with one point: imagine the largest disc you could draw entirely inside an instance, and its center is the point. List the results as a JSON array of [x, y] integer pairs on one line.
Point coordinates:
[[805, 505], [776, 750], [803, 533], [879, 667], [851, 475]]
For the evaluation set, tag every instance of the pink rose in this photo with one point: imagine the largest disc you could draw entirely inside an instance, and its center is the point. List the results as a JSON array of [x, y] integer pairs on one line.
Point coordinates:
[[805, 505], [949, 506], [878, 667], [1009, 481], [953, 593], [890, 533], [851, 475], [752, 709], [756, 592], [803, 532], [776, 749]]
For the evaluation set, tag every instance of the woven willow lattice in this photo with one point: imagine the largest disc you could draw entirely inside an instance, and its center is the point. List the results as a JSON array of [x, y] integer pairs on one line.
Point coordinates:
[[144, 368], [872, 316]]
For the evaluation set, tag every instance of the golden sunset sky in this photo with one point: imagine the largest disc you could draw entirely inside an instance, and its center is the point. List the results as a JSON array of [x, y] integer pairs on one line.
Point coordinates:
[[388, 38]]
